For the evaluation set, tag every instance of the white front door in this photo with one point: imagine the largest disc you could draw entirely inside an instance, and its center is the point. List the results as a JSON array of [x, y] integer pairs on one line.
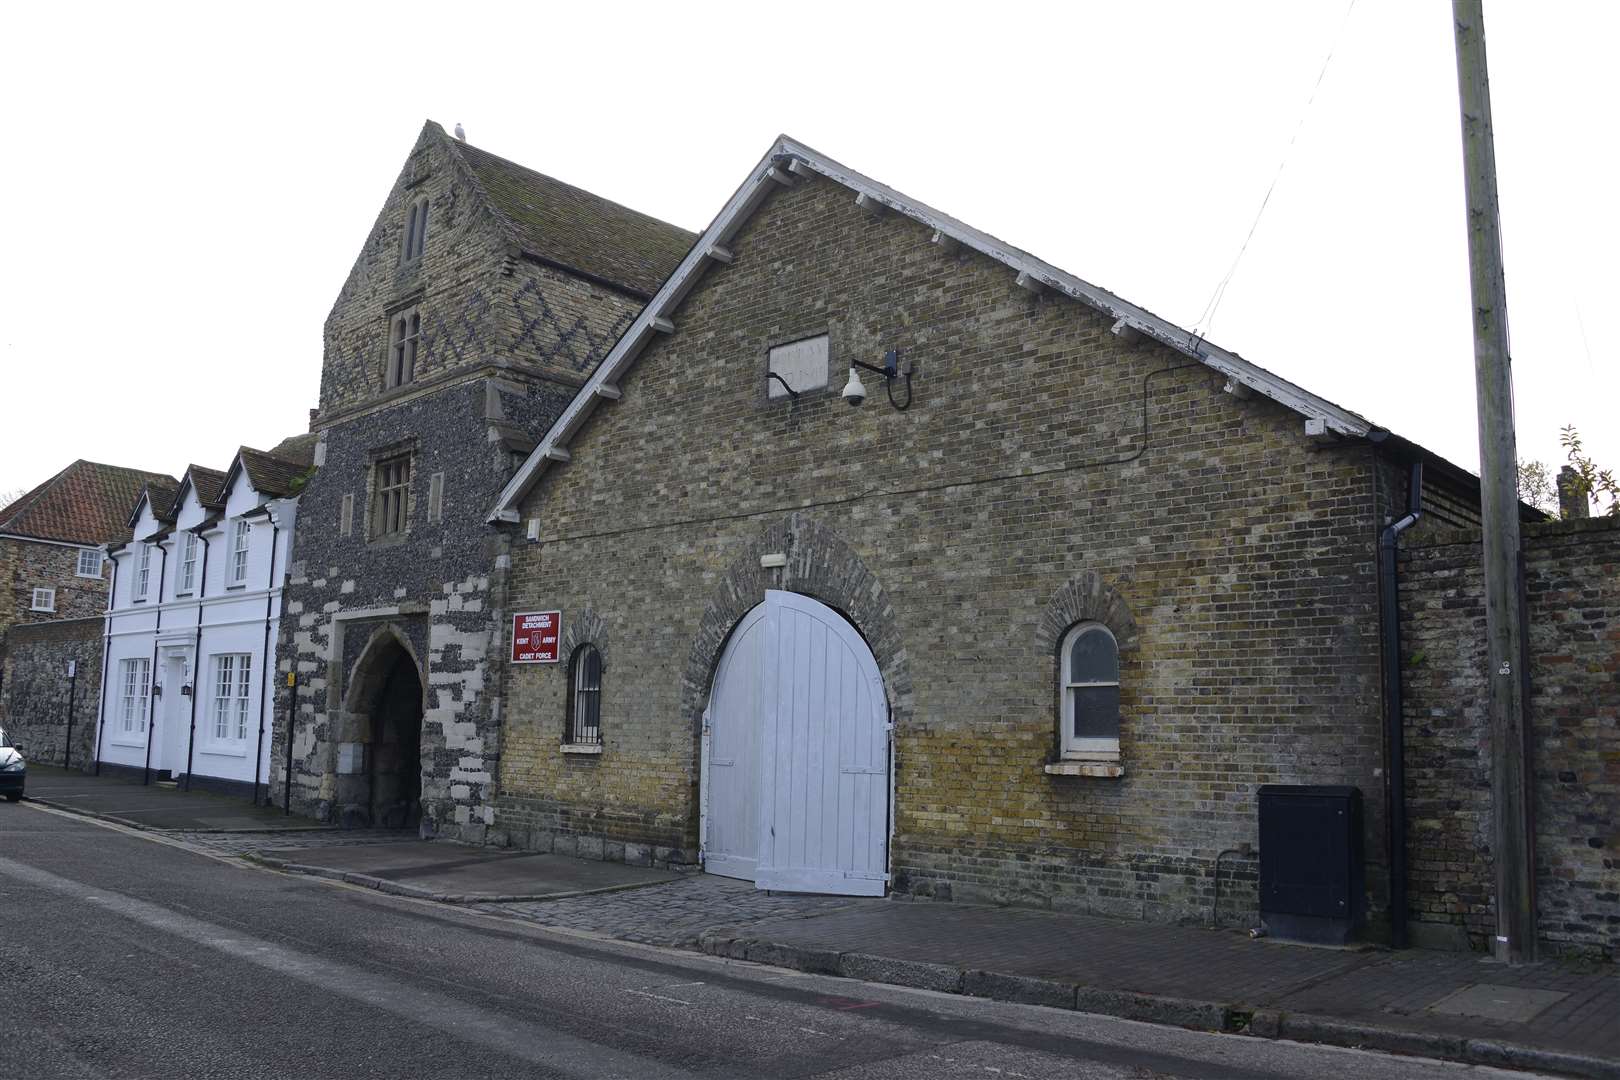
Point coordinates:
[[174, 715], [798, 692]]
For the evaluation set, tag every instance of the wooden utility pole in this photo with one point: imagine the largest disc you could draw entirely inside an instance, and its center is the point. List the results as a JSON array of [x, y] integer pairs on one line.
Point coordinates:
[[1512, 791]]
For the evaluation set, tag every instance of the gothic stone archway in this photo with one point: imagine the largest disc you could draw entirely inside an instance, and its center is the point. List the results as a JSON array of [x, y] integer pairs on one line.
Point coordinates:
[[380, 772]]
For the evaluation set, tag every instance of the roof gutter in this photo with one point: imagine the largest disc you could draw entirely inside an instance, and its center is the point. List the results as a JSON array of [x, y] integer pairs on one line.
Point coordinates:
[[48, 540]]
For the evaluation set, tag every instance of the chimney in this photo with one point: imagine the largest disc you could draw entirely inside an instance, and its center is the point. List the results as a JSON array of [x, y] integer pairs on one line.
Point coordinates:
[[1572, 500]]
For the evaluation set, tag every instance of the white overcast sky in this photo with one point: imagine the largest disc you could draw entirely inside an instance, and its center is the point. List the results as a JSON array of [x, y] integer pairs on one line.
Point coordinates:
[[186, 187]]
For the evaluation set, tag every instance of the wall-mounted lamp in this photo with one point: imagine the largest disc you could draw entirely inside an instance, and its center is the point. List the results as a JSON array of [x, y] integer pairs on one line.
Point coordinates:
[[855, 392]]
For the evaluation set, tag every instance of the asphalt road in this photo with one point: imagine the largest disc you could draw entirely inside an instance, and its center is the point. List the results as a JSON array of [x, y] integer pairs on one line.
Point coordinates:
[[124, 956]]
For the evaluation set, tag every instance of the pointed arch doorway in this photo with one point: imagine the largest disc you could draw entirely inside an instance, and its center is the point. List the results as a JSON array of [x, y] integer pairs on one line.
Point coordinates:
[[796, 759], [385, 708]]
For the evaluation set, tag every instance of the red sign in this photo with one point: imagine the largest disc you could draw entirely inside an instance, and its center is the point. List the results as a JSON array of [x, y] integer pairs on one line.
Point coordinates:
[[534, 637]]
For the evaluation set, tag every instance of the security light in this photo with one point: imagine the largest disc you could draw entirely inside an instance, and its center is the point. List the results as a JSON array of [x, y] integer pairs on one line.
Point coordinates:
[[855, 392]]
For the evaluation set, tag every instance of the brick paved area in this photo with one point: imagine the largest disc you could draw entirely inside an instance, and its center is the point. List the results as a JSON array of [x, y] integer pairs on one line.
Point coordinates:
[[1398, 988], [1390, 989], [676, 913]]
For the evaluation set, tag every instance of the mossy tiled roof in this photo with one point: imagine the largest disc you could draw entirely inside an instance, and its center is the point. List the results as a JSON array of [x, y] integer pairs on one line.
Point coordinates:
[[85, 503], [160, 496], [272, 475], [570, 226], [297, 448], [209, 484]]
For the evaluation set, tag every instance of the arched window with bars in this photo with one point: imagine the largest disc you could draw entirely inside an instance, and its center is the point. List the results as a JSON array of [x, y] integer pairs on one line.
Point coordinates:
[[584, 727]]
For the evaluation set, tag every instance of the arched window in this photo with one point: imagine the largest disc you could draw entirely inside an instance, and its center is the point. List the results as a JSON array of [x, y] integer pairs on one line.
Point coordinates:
[[585, 702], [1089, 686]]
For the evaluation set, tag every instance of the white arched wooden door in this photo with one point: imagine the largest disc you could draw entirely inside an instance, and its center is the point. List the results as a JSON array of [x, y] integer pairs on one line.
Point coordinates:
[[798, 697], [730, 780]]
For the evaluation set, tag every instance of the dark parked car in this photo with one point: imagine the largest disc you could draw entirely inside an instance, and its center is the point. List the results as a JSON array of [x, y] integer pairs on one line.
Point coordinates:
[[13, 770]]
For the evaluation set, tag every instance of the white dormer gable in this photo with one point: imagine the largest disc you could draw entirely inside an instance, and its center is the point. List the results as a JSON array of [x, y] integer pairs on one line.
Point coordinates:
[[191, 512], [145, 523], [240, 495]]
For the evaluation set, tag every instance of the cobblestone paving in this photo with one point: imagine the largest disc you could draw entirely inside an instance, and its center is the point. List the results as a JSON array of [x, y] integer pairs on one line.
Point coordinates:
[[675, 913], [672, 913]]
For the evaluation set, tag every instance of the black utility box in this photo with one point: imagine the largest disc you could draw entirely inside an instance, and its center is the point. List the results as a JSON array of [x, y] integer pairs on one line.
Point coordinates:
[[1311, 883]]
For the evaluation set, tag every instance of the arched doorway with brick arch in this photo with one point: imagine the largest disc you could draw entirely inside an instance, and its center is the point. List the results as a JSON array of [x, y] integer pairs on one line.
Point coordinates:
[[796, 683], [382, 714]]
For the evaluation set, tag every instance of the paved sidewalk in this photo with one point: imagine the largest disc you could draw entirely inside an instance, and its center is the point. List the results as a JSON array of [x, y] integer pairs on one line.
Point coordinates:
[[159, 806], [1551, 1016]]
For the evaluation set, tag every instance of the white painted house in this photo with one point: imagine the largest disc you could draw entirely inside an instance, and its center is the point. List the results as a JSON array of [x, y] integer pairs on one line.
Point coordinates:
[[190, 627]]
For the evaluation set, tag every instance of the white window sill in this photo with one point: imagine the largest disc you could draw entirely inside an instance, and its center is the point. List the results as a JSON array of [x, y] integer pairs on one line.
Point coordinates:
[[1108, 770], [221, 751], [127, 743], [582, 748], [44, 610]]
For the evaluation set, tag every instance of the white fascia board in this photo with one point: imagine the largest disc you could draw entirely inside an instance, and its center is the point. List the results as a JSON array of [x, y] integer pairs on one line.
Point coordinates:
[[140, 501], [765, 179], [230, 479]]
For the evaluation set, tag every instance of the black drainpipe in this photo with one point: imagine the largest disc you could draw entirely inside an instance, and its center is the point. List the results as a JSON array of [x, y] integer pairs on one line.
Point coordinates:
[[264, 668], [196, 654], [286, 797], [1389, 603], [152, 685], [67, 750], [106, 649]]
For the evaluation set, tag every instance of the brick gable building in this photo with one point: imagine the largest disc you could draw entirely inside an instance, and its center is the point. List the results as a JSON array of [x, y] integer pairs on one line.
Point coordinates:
[[1111, 578], [482, 298]]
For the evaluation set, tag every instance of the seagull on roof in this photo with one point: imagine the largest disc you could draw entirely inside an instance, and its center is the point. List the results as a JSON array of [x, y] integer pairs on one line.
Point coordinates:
[[461, 132]]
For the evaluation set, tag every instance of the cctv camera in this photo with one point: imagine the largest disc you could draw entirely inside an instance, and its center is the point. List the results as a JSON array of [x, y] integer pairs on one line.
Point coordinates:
[[854, 392]]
